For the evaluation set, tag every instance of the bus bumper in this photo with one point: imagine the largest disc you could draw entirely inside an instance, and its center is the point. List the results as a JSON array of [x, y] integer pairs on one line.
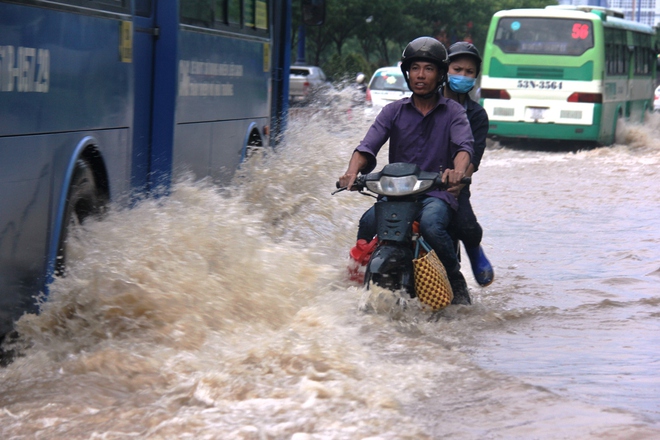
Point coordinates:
[[531, 130]]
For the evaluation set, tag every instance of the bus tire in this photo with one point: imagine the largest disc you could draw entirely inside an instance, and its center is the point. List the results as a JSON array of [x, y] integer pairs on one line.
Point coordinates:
[[83, 200], [617, 121], [254, 145]]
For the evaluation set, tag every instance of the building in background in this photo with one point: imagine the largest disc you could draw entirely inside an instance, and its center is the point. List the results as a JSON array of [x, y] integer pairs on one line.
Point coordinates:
[[643, 11]]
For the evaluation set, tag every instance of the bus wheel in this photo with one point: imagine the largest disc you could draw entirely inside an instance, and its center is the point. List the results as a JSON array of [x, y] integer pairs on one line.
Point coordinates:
[[8, 350], [83, 200], [254, 145], [617, 127]]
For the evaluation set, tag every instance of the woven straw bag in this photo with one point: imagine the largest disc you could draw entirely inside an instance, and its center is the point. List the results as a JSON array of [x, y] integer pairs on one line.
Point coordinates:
[[431, 282]]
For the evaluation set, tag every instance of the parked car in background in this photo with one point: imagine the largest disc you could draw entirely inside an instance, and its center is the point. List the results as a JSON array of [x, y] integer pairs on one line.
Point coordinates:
[[656, 100], [304, 81], [386, 85]]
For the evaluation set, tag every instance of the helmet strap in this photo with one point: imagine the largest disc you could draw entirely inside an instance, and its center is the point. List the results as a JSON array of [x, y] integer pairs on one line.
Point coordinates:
[[426, 96], [441, 81]]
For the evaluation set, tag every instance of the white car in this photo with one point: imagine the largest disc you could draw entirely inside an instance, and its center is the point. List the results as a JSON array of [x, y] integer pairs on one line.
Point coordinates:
[[656, 100], [304, 80], [386, 85]]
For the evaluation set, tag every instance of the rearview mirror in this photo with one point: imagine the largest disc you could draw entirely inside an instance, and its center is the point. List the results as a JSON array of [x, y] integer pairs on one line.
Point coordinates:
[[313, 12]]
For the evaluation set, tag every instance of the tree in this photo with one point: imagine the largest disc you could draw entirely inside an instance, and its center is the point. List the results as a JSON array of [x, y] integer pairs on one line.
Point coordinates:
[[382, 28]]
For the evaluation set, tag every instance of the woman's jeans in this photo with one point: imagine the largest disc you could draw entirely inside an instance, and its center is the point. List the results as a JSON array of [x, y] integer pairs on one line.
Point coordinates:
[[464, 226]]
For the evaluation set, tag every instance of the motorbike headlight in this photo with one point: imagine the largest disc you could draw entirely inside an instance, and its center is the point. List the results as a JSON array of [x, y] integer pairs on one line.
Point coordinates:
[[398, 186]]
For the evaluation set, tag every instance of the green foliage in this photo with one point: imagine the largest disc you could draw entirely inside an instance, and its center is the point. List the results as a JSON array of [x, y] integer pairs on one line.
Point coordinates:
[[346, 67], [376, 31]]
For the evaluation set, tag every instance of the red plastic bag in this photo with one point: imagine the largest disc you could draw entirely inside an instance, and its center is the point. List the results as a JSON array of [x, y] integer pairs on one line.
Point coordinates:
[[360, 254]]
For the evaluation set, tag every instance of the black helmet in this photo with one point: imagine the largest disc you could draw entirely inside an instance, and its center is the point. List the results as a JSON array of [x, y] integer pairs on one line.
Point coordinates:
[[464, 48], [425, 49]]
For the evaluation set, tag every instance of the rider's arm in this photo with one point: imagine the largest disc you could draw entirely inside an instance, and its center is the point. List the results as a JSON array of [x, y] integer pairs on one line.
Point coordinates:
[[461, 162], [479, 123], [364, 157], [358, 162], [470, 170], [478, 120], [461, 143], [453, 177]]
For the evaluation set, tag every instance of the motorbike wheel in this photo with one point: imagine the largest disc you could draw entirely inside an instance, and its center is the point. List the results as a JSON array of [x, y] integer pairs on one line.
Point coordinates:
[[384, 304], [394, 282]]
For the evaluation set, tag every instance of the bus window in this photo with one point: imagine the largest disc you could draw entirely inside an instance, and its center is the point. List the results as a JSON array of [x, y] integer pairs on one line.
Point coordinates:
[[248, 13], [101, 5], [255, 14], [616, 52], [544, 36], [234, 11], [197, 12], [143, 8], [261, 14], [642, 54], [219, 12]]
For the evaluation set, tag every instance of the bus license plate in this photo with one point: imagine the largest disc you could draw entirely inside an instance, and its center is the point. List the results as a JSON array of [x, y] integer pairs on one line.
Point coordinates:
[[536, 113], [538, 84]]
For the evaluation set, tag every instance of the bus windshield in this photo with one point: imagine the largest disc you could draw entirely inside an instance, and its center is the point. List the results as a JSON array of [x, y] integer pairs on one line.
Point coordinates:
[[544, 36]]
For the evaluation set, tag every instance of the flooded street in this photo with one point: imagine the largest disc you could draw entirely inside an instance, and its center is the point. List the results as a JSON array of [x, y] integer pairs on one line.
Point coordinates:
[[227, 313]]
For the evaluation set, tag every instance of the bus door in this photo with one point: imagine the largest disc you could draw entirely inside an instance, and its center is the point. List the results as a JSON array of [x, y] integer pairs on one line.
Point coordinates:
[[145, 33], [155, 37]]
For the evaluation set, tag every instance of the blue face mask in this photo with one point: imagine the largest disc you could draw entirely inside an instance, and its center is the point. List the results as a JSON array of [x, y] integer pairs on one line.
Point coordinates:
[[461, 84]]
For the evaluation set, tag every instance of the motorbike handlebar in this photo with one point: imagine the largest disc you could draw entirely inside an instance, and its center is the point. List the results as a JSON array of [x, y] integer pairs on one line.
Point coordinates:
[[357, 184], [360, 183], [464, 181]]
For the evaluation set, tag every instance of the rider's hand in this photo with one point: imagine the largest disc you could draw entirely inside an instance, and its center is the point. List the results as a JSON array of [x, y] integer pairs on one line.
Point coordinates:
[[346, 181], [456, 190], [452, 178], [357, 162]]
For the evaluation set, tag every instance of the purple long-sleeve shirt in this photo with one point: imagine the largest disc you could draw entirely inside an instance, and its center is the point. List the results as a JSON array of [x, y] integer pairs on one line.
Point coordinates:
[[431, 141]]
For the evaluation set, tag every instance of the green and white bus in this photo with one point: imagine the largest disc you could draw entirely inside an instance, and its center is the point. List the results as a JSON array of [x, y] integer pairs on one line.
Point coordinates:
[[566, 73]]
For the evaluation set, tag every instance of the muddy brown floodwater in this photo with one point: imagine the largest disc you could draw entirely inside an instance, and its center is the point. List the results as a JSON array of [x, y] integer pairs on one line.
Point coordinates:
[[227, 314]]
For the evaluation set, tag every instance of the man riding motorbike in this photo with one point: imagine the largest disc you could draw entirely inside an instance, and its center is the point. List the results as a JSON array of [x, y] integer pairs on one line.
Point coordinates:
[[432, 132]]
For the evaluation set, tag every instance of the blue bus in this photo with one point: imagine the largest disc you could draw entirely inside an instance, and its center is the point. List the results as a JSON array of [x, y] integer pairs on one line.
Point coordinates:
[[100, 99]]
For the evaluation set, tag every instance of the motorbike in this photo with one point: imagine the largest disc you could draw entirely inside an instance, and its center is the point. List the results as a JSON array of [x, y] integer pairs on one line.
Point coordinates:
[[400, 187]]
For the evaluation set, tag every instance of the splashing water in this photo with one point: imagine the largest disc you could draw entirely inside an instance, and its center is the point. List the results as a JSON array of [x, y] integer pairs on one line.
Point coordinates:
[[226, 313]]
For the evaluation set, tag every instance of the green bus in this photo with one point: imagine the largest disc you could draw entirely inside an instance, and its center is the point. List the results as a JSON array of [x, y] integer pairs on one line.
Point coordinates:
[[566, 73]]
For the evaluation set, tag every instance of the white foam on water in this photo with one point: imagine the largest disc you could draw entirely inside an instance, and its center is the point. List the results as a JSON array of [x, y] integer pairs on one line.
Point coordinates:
[[226, 313]]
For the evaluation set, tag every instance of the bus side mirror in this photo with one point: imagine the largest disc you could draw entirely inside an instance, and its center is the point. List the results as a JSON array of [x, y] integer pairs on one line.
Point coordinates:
[[313, 12]]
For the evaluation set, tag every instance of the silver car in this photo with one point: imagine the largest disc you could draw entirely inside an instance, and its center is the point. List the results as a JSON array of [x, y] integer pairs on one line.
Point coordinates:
[[387, 85], [303, 80]]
